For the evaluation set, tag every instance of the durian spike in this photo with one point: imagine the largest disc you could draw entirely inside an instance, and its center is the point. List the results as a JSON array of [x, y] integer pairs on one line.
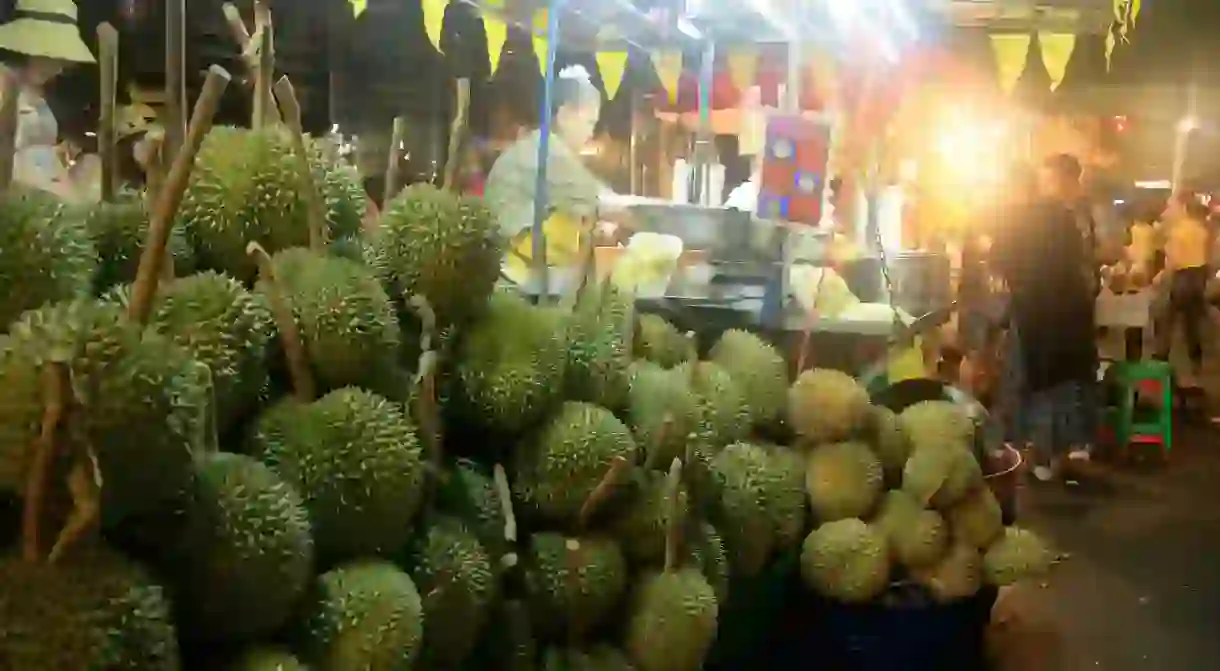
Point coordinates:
[[175, 93], [9, 90], [398, 135], [264, 38], [55, 390], [457, 133], [290, 110], [108, 63], [667, 428], [673, 525], [162, 215], [85, 489], [303, 385], [505, 495], [614, 476]]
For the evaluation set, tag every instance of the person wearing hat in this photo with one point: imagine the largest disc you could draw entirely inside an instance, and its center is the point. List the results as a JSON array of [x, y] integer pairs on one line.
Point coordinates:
[[38, 44]]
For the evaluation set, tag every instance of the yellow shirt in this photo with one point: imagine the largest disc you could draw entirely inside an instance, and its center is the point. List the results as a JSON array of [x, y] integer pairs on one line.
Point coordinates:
[[1187, 243]]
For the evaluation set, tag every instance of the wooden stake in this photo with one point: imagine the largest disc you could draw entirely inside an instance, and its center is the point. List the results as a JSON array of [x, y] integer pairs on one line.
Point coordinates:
[[170, 197], [108, 65], [303, 385], [290, 110], [397, 136], [175, 92], [54, 403], [673, 526], [265, 71], [457, 131], [9, 92], [505, 494], [614, 476]]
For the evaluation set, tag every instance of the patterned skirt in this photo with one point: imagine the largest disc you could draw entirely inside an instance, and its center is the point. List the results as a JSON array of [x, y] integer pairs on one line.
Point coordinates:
[[1057, 418]]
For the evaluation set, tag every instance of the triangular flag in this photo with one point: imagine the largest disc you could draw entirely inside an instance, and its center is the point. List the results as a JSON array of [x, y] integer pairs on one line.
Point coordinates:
[[434, 20], [612, 65], [668, 64], [743, 66], [1056, 52], [540, 51], [823, 76], [497, 35], [358, 7], [1111, 42], [1011, 51]]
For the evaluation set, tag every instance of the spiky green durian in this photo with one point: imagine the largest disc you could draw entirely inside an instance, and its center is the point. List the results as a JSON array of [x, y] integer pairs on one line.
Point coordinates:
[[976, 519], [471, 496], [246, 187], [120, 232], [759, 371], [1017, 555], [843, 480], [225, 328], [266, 659], [91, 611], [890, 443], [958, 574], [940, 476], [574, 583], [599, 346], [846, 560], [559, 468], [755, 501], [725, 417], [827, 405], [366, 616], [46, 253], [645, 516], [140, 403], [442, 246], [937, 424], [916, 536], [248, 555], [597, 658], [673, 621], [454, 574], [509, 372], [663, 413], [705, 551], [356, 460], [660, 342], [344, 316]]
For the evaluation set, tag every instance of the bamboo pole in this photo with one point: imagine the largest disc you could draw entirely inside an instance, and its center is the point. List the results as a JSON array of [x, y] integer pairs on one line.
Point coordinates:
[[265, 71], [108, 61]]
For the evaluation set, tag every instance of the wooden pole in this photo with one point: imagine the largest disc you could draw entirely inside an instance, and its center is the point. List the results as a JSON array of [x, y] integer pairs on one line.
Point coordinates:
[[108, 61], [397, 135], [175, 97], [291, 112], [457, 130], [265, 72], [9, 91]]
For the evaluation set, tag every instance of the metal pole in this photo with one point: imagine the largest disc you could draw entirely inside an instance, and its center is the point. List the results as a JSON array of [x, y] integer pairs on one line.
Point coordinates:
[[704, 139], [538, 241]]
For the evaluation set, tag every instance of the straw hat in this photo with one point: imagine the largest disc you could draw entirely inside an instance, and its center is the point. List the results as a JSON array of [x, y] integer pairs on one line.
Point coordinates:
[[45, 28]]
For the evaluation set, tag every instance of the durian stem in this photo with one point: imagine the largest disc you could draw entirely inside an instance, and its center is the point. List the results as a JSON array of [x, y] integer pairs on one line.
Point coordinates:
[[597, 498], [290, 109], [84, 486], [9, 90], [170, 196], [175, 92], [303, 385], [427, 321], [426, 410], [457, 132], [505, 494], [662, 435], [54, 394], [673, 525], [108, 62], [238, 30], [398, 134], [265, 71]]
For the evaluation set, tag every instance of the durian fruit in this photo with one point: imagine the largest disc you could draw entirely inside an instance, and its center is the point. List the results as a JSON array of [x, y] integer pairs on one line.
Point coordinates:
[[597, 658], [721, 403], [758, 370], [248, 556], [363, 615], [890, 443], [935, 424], [660, 342], [705, 551], [1017, 555], [976, 520], [560, 467], [266, 659], [138, 403], [92, 611], [454, 574], [246, 187], [827, 405], [444, 247], [673, 614], [843, 480], [941, 476], [846, 560], [472, 497], [356, 460], [599, 346], [958, 575], [574, 583], [120, 231], [346, 320], [916, 536], [509, 369], [758, 506], [225, 328], [46, 253], [662, 412], [641, 526]]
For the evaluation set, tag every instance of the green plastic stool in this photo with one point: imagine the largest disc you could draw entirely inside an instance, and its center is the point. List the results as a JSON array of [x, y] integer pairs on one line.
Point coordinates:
[[1132, 377]]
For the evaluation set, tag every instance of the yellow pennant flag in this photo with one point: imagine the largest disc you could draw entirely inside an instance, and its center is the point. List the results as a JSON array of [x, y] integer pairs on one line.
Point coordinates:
[[358, 7], [497, 35], [743, 66], [612, 65], [540, 51], [1011, 51], [668, 64], [1056, 52], [434, 20]]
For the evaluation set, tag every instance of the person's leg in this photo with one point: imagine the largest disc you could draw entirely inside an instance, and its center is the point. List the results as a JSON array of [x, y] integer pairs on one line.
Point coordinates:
[[1190, 296]]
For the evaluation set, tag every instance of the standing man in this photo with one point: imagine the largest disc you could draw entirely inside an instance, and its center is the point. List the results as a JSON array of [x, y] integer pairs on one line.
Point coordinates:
[[1187, 250]]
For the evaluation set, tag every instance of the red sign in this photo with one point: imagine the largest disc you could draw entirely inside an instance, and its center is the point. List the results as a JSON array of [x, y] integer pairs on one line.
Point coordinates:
[[794, 169]]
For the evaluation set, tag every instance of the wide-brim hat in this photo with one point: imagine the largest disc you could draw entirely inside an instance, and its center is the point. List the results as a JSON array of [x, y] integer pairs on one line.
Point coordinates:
[[47, 29]]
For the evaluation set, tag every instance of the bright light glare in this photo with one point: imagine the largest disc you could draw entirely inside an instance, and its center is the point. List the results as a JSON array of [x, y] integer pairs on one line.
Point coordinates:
[[969, 147], [1188, 124]]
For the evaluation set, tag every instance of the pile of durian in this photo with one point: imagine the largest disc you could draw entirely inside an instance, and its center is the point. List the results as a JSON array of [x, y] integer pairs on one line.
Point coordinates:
[[320, 448]]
